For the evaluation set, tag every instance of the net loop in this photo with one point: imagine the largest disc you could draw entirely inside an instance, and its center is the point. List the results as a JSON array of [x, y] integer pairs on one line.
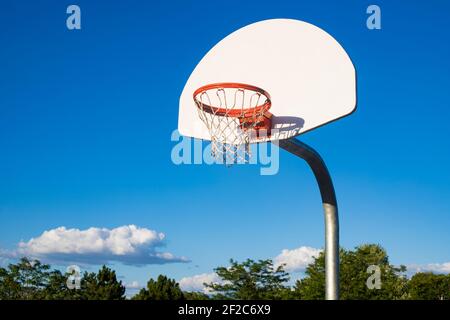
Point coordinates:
[[235, 115]]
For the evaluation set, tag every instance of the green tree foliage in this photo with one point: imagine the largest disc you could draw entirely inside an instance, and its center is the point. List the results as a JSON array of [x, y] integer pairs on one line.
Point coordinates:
[[32, 280], [25, 280], [429, 286], [353, 276], [161, 289], [102, 285], [57, 288], [195, 295], [250, 280]]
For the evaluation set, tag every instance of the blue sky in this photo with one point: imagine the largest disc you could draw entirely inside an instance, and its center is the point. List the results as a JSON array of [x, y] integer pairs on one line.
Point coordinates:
[[86, 118]]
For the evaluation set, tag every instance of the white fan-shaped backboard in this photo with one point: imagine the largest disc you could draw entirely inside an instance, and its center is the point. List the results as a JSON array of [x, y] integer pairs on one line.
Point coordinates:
[[309, 76]]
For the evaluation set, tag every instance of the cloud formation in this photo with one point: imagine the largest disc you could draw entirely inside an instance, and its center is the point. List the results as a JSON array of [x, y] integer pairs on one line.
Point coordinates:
[[133, 285], [296, 260], [196, 283], [126, 244], [431, 267]]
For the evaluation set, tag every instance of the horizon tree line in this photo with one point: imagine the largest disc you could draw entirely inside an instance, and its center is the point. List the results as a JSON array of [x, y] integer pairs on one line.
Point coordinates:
[[248, 280]]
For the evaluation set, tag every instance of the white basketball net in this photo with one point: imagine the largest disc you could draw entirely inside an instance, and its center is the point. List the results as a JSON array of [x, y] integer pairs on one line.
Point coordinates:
[[231, 121]]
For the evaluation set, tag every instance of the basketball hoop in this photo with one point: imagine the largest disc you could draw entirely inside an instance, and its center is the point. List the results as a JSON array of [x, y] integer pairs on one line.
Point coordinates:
[[235, 115]]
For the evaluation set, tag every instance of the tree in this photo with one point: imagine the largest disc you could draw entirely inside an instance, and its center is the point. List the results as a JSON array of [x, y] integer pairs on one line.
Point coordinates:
[[429, 286], [161, 289], [193, 295], [102, 286], [353, 276], [57, 289], [30, 280], [25, 280], [250, 280], [9, 288]]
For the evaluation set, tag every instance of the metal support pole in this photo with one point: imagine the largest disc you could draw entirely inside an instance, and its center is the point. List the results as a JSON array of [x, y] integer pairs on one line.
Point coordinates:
[[329, 203]]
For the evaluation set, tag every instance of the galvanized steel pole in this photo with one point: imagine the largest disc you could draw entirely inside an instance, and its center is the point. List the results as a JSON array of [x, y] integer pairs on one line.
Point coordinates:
[[329, 203]]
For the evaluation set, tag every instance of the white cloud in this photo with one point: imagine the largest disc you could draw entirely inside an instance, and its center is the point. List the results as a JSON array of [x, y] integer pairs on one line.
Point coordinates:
[[127, 244], [195, 283], [431, 267], [132, 288], [133, 285], [296, 260]]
